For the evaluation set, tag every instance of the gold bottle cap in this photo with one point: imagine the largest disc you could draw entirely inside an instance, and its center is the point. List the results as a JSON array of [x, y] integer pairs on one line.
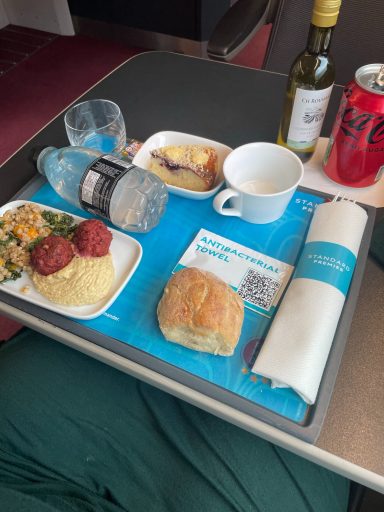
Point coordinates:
[[325, 13]]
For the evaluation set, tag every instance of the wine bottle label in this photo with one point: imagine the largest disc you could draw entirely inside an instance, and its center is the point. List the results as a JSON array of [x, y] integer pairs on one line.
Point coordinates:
[[98, 183], [308, 112]]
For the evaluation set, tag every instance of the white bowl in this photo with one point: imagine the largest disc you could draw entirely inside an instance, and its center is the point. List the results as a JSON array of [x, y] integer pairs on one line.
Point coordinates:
[[143, 157]]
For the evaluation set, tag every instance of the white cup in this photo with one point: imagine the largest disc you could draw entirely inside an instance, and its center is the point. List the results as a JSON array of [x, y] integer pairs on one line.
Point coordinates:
[[261, 179]]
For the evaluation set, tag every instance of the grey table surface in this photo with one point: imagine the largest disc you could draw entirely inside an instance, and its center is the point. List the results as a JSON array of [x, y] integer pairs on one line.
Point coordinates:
[[162, 91]]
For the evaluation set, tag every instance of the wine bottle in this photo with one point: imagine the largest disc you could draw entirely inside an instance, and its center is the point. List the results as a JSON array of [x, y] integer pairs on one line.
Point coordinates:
[[310, 83]]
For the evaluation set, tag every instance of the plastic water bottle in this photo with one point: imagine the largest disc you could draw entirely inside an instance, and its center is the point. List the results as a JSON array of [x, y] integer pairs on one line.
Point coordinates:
[[130, 197]]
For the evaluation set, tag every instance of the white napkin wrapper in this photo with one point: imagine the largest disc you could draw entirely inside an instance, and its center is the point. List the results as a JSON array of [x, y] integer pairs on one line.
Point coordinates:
[[297, 345]]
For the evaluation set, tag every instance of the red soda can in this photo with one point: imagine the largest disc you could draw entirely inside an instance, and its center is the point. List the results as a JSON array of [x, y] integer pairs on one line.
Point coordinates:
[[355, 152]]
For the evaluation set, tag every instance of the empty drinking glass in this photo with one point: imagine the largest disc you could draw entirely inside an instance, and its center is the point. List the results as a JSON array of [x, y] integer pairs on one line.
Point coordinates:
[[96, 124]]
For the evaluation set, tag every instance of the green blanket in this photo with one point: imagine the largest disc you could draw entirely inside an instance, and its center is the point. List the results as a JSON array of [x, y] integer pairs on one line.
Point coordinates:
[[79, 436]]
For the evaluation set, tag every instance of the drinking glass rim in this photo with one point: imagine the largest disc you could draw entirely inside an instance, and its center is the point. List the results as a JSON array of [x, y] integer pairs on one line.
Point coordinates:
[[67, 124]]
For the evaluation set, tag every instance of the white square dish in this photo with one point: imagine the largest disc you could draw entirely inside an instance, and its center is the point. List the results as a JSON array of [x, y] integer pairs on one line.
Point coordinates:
[[169, 138], [126, 254]]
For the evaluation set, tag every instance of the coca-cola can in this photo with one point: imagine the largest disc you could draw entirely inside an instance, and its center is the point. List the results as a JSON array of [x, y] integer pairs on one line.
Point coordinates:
[[355, 153]]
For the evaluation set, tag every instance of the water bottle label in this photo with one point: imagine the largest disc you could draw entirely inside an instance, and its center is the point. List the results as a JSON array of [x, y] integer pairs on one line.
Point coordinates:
[[98, 183]]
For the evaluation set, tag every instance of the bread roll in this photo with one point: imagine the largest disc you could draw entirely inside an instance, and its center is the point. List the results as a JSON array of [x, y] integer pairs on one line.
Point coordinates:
[[201, 312]]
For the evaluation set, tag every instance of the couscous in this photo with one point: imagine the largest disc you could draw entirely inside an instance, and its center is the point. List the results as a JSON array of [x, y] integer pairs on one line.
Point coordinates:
[[20, 229]]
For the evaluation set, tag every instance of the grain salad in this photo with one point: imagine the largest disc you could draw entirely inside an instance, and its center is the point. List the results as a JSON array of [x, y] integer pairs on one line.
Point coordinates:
[[21, 228]]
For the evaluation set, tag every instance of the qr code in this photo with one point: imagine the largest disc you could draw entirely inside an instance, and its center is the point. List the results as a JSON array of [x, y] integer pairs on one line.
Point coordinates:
[[258, 289]]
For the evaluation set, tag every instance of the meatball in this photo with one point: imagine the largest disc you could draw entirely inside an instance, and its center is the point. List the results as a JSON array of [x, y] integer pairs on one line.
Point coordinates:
[[92, 238], [51, 254]]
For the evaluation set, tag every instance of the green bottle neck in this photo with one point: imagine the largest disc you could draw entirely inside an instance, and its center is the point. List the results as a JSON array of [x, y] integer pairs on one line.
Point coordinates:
[[319, 39]]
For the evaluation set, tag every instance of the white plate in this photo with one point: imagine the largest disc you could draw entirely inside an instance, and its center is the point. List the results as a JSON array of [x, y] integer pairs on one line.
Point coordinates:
[[143, 157], [126, 254]]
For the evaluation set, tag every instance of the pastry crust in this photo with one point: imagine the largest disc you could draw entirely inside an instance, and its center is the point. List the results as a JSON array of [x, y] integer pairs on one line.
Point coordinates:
[[190, 166], [202, 312]]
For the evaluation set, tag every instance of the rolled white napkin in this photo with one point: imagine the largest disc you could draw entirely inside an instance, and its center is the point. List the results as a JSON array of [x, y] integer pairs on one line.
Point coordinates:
[[296, 348]]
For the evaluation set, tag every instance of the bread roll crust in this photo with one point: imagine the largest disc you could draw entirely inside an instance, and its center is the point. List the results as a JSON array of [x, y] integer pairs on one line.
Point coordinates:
[[200, 311]]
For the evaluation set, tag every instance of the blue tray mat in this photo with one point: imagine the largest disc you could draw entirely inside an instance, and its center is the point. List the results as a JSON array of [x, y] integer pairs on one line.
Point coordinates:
[[132, 318]]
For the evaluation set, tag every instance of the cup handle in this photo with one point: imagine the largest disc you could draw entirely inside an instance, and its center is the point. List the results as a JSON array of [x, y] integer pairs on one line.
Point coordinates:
[[221, 198]]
